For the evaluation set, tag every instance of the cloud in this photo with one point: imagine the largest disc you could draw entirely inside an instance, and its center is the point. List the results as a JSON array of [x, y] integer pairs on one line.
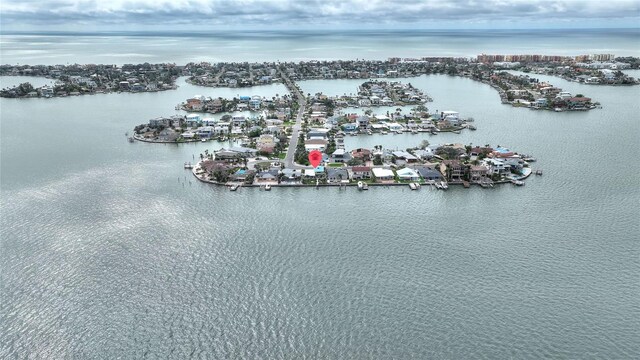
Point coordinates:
[[286, 13]]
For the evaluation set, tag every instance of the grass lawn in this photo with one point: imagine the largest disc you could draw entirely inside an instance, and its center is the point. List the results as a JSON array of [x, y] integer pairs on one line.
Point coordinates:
[[335, 165], [282, 155]]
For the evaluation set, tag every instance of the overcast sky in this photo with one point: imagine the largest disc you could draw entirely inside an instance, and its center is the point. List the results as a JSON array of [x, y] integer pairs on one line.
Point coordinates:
[[198, 15]]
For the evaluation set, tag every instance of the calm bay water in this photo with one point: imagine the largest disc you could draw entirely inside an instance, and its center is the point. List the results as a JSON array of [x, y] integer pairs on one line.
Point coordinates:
[[110, 249]]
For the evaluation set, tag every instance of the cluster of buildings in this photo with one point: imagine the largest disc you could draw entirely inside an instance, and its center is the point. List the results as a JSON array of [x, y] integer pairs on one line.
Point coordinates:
[[418, 121], [91, 79], [231, 74], [592, 73], [262, 133], [528, 58], [526, 91], [451, 163], [278, 106]]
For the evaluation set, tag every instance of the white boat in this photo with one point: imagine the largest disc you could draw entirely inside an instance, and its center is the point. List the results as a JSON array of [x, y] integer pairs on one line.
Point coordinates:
[[445, 186], [384, 133], [413, 186], [517, 182], [267, 187], [187, 165], [204, 140], [360, 185], [234, 187]]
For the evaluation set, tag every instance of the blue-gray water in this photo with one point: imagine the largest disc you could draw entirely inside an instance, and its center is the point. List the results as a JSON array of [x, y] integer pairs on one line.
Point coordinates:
[[328, 44], [110, 249]]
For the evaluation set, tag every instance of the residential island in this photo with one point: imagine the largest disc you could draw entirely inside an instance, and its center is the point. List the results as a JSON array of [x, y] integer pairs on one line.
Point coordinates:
[[274, 147], [435, 165], [519, 90]]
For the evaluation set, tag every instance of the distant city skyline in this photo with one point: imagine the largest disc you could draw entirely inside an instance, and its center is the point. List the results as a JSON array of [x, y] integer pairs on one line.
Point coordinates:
[[204, 15]]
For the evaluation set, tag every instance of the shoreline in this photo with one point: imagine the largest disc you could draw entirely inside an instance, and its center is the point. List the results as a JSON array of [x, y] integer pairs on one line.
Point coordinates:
[[341, 185]]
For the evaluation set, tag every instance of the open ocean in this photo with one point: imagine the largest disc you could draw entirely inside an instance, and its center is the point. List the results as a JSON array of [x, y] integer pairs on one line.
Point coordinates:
[[112, 250]]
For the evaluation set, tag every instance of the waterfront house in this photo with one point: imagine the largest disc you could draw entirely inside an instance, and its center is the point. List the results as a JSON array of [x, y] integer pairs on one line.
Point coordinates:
[[238, 120], [359, 172], [515, 163], [188, 135], [541, 103], [340, 156], [497, 166], [337, 175], [377, 127], [476, 151], [382, 174], [563, 95], [266, 177], [216, 105], [46, 91], [226, 155], [160, 121], [452, 169], [362, 154], [408, 174], [221, 129], [255, 102], [309, 173], [395, 126], [206, 131], [316, 133], [244, 151], [578, 102], [424, 154], [364, 102], [428, 173], [350, 127], [168, 134], [241, 175], [209, 122], [319, 172], [291, 176], [362, 123], [478, 173], [193, 120]]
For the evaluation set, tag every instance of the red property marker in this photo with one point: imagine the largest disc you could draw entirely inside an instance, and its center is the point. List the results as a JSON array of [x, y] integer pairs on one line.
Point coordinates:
[[315, 157]]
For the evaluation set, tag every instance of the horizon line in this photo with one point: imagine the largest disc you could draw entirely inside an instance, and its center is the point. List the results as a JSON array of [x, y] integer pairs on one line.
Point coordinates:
[[271, 30]]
